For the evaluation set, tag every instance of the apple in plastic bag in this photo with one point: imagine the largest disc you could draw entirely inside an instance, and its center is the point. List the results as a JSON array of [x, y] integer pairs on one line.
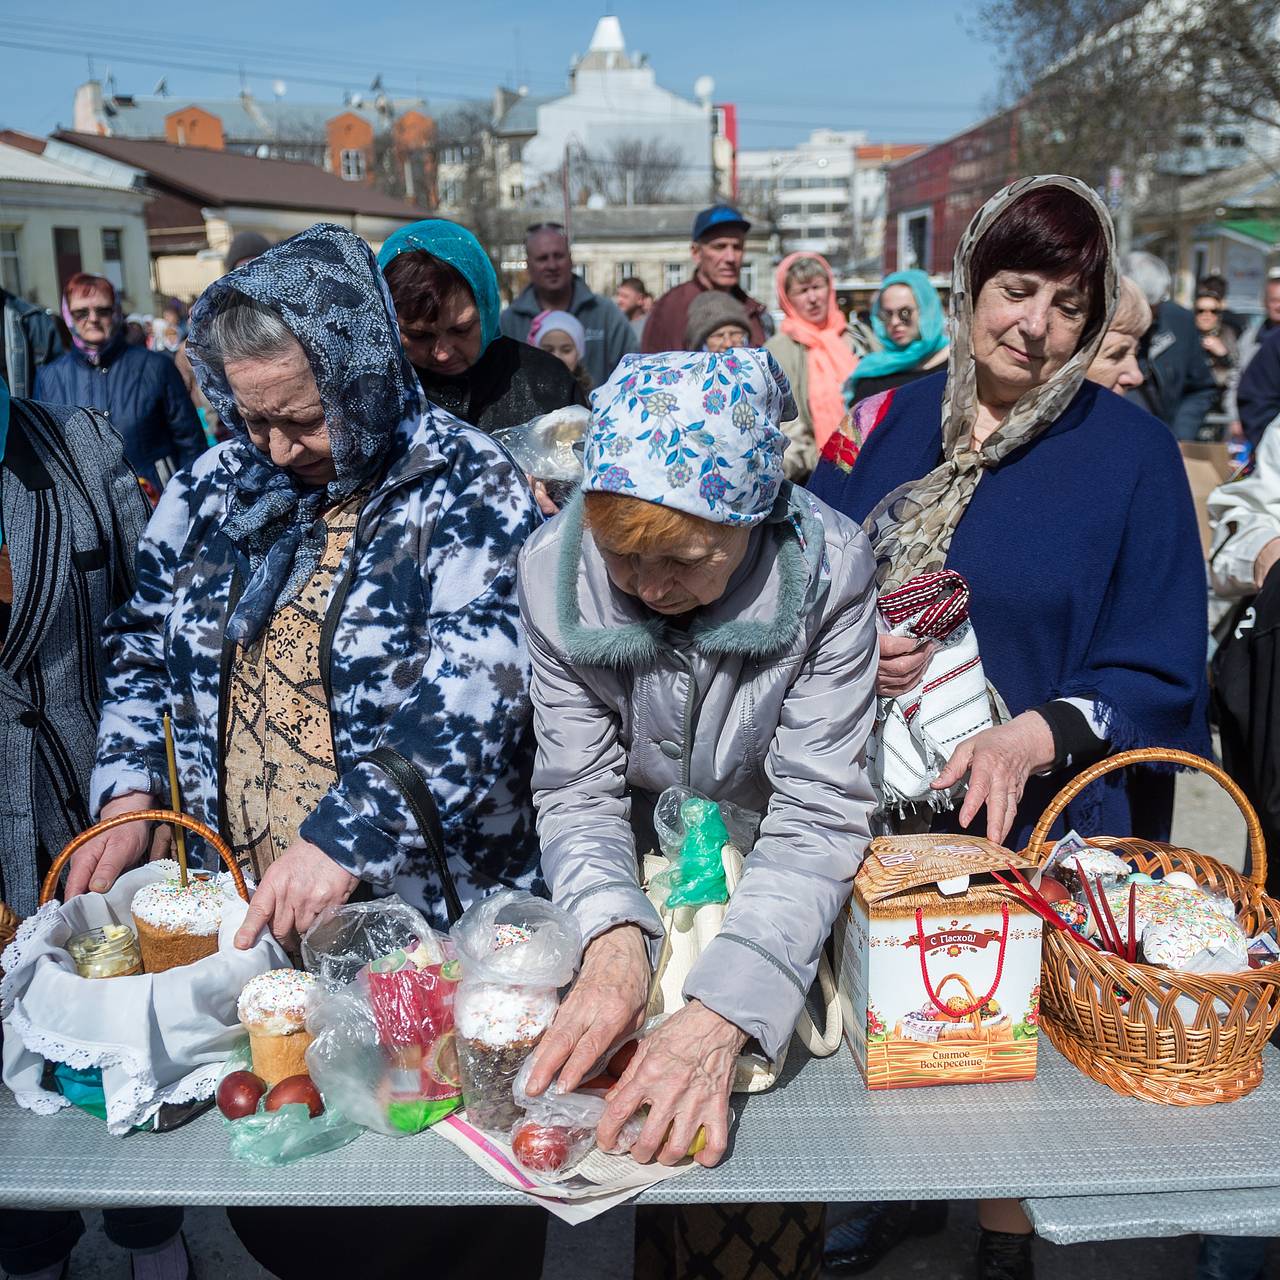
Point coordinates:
[[239, 1094], [295, 1089]]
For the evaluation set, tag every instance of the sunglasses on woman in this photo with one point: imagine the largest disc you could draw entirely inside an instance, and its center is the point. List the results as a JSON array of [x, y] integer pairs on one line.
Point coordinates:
[[100, 313], [1208, 310], [904, 315]]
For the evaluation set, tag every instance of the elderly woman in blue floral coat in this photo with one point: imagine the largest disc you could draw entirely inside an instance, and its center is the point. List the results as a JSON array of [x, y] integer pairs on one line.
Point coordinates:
[[326, 606]]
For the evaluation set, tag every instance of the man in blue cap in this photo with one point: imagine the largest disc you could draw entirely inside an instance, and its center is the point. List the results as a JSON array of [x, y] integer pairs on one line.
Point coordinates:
[[719, 240]]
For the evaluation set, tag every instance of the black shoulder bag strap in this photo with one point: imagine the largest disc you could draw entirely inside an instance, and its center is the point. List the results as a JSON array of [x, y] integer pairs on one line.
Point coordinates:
[[417, 796]]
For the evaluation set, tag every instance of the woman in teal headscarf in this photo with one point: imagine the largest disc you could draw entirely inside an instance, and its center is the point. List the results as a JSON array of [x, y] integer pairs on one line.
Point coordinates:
[[908, 320], [446, 297]]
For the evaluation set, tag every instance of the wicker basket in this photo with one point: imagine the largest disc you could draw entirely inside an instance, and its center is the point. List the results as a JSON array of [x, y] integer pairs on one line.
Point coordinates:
[[219, 845], [10, 920], [1144, 1046]]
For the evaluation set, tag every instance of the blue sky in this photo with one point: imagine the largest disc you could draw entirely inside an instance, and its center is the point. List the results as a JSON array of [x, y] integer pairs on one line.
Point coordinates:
[[904, 70]]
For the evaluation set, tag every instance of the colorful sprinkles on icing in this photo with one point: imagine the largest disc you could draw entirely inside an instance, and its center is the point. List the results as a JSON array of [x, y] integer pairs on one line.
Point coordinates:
[[279, 994], [1174, 924], [510, 935], [165, 904], [496, 1015]]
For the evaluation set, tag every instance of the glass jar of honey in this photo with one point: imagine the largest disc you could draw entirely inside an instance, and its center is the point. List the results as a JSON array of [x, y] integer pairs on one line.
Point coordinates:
[[110, 951]]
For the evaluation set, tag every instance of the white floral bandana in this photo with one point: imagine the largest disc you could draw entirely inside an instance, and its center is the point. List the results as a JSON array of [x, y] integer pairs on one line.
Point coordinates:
[[697, 431]]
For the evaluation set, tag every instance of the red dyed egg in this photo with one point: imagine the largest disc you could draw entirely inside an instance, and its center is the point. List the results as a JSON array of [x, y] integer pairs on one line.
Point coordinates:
[[622, 1059], [295, 1089], [541, 1150], [1053, 890], [239, 1094]]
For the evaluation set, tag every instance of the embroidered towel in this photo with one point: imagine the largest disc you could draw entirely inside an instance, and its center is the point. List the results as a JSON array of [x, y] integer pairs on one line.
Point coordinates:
[[916, 733]]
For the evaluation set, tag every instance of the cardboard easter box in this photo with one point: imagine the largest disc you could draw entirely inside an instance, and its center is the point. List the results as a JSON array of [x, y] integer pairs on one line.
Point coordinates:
[[939, 965]]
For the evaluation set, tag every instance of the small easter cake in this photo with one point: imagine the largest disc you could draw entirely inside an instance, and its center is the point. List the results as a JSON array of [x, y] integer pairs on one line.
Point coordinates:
[[273, 1009], [177, 926]]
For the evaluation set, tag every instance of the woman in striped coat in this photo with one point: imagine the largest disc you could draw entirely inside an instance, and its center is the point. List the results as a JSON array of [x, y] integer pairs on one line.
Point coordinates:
[[71, 514]]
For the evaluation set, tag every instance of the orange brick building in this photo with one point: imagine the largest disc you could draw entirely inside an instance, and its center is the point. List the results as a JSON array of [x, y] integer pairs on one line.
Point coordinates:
[[382, 142]]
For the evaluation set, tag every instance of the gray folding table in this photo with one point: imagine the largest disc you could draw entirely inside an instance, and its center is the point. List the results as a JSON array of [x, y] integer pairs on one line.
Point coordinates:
[[1091, 1165]]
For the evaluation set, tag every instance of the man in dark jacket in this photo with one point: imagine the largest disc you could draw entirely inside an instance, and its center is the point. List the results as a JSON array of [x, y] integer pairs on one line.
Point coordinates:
[[554, 287], [141, 391], [1258, 395], [28, 339], [719, 243], [1178, 386]]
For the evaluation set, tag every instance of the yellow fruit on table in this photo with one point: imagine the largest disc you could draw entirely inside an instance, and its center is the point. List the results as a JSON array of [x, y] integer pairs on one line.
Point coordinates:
[[699, 1141]]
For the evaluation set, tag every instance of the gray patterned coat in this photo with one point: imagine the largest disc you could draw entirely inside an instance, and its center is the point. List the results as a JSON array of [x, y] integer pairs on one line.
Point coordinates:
[[72, 516]]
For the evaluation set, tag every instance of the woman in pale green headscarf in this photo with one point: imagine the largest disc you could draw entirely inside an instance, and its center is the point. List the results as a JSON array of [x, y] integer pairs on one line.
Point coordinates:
[[907, 318], [445, 292]]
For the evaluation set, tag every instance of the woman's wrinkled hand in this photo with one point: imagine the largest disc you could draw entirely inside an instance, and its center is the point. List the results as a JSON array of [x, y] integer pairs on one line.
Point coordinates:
[[999, 761], [99, 863], [683, 1072], [300, 884], [903, 660], [606, 1005]]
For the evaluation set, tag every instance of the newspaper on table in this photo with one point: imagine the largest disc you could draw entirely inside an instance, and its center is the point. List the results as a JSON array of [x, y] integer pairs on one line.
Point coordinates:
[[598, 1183]]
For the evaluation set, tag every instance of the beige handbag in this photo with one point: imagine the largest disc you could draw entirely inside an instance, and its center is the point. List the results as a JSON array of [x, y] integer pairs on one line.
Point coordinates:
[[687, 932]]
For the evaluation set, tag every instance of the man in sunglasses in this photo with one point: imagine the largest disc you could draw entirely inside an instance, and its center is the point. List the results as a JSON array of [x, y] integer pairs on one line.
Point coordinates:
[[140, 390], [553, 286], [719, 245]]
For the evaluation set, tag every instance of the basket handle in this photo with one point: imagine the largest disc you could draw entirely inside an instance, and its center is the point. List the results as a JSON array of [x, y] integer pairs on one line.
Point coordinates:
[[50, 886], [1155, 755], [973, 1015]]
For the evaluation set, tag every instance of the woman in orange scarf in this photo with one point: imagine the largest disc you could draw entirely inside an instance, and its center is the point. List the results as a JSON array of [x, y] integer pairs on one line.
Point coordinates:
[[816, 353]]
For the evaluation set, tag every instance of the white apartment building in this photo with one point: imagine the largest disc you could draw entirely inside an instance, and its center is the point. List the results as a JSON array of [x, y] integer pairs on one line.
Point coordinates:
[[870, 194], [614, 104], [805, 194]]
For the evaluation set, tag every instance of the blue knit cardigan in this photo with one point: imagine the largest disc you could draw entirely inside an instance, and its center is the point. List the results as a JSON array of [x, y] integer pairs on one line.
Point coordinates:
[[1087, 575]]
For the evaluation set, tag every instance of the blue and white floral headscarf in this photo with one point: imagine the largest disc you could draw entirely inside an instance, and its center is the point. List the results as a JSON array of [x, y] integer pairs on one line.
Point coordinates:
[[695, 431], [326, 287]]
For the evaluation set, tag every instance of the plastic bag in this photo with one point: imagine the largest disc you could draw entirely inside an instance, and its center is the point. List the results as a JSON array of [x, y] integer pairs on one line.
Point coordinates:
[[545, 447], [516, 951], [692, 832], [558, 1130], [274, 1138], [384, 1050], [347, 938]]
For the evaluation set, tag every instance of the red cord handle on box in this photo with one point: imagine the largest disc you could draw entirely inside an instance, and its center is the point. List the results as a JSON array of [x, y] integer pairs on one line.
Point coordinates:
[[924, 967]]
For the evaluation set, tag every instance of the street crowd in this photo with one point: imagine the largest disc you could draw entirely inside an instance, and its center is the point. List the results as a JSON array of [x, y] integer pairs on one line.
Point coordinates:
[[283, 518]]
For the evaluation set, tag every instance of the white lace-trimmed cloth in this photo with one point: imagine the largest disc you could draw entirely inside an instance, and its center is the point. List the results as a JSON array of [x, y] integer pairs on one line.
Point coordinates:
[[916, 733], [156, 1037]]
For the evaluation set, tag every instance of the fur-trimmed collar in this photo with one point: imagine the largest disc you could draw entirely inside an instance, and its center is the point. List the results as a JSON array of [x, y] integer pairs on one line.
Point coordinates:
[[800, 545]]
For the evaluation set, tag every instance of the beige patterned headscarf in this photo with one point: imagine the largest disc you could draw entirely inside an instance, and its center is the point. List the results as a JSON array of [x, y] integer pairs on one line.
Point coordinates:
[[911, 530]]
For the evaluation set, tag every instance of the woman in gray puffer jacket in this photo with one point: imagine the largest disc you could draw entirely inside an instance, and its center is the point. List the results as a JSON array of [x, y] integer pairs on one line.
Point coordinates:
[[694, 620]]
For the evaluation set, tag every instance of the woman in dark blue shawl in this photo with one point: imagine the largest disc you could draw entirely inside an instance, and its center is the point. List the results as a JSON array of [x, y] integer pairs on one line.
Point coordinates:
[[1066, 509]]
